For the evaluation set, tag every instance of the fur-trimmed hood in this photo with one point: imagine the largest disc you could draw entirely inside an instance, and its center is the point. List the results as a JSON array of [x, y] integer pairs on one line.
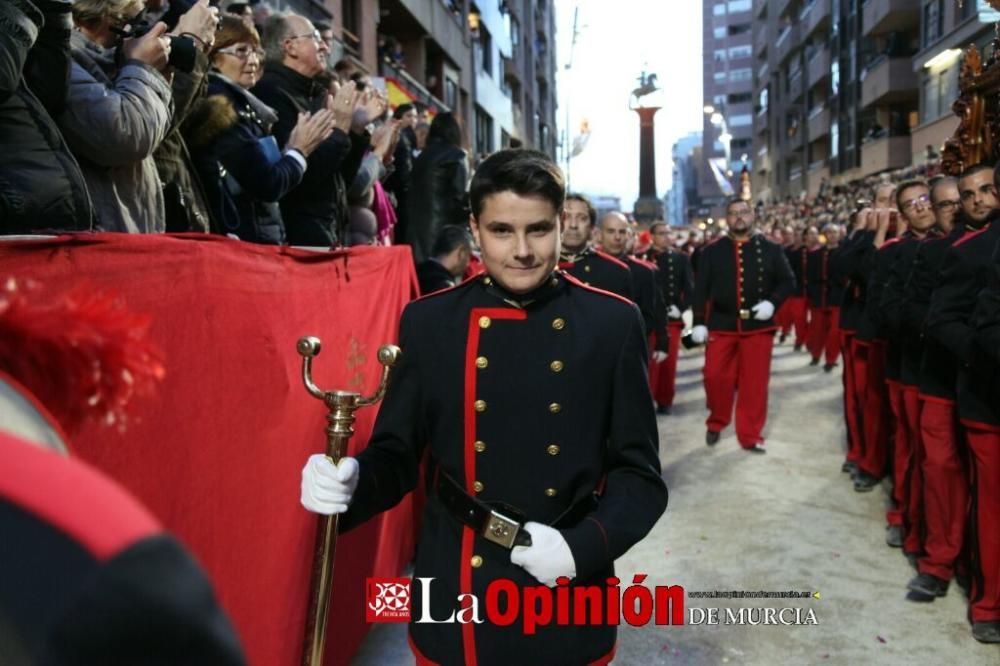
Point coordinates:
[[226, 104]]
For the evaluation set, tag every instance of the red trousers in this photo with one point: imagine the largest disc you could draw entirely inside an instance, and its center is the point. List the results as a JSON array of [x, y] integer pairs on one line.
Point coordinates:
[[798, 316], [946, 487], [984, 443], [824, 333], [852, 410], [663, 376], [737, 369], [901, 451], [877, 415], [913, 476], [782, 319]]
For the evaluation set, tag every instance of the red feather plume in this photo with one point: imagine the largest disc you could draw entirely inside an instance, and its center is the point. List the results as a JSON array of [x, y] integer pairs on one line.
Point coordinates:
[[80, 352]]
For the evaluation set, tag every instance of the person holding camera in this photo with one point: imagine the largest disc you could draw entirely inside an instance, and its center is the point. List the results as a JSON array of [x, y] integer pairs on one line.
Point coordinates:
[[742, 279], [118, 112], [243, 172]]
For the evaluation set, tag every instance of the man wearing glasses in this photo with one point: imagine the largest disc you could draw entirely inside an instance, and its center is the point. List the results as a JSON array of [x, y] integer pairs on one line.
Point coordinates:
[[295, 55], [965, 270]]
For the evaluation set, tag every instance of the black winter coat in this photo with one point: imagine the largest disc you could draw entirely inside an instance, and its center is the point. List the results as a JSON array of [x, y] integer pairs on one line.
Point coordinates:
[[315, 212], [41, 185], [228, 133], [436, 197]]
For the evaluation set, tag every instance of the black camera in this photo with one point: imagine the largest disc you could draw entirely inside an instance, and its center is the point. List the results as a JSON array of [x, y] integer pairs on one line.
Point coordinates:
[[182, 49]]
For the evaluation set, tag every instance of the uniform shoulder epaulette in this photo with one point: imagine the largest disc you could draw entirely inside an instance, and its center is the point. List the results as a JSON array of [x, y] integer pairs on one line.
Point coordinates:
[[576, 283], [969, 235], [608, 257], [643, 262]]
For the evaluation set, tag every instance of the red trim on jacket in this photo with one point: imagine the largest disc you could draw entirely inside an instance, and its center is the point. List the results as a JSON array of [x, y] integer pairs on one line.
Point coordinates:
[[418, 657], [970, 234], [468, 536], [51, 486], [607, 256], [739, 283], [575, 282]]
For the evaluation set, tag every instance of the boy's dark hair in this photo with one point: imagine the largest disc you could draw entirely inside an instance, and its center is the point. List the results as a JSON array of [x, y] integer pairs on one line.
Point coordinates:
[[582, 198], [451, 236], [523, 172]]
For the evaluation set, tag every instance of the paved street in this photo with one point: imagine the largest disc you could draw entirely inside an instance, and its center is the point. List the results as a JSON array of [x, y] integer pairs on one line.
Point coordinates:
[[789, 520]]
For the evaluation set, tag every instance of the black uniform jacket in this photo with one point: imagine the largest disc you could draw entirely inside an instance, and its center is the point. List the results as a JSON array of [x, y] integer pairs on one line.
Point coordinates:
[[798, 261], [597, 269], [937, 368], [987, 313], [433, 276], [872, 325], [89, 577], [676, 279], [890, 306], [849, 262], [733, 277], [531, 401], [649, 298], [824, 283], [965, 272]]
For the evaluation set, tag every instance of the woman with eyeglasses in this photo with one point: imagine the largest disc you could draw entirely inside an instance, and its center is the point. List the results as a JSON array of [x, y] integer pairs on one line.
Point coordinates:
[[243, 171]]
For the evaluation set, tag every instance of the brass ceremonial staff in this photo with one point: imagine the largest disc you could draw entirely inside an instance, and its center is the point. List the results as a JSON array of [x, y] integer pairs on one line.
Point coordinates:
[[340, 427]]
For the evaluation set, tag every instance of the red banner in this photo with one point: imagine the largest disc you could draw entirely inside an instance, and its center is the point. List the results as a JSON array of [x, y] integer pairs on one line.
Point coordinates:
[[217, 453]]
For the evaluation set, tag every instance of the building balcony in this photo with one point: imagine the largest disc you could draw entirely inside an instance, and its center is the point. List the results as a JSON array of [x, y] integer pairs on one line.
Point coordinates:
[[761, 123], [795, 180], [759, 8], [761, 39], [818, 66], [762, 74], [787, 43], [881, 16], [885, 154], [796, 87], [888, 80], [815, 16], [819, 122], [780, 6]]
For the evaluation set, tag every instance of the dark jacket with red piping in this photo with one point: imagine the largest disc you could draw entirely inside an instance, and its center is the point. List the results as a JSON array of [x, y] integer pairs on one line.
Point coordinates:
[[850, 264], [532, 402], [733, 277], [597, 269], [965, 271], [824, 283], [676, 279]]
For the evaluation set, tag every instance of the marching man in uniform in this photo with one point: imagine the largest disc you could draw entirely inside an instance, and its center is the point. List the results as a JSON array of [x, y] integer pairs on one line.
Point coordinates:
[[529, 389], [580, 259], [742, 279]]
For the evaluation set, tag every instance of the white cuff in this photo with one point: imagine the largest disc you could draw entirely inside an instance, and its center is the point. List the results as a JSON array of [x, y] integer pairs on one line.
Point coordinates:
[[298, 157]]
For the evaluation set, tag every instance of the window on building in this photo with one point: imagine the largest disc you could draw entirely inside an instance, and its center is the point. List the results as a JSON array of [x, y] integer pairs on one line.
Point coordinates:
[[720, 77], [351, 25], [742, 74], [835, 77], [762, 101], [738, 52], [937, 92], [741, 120], [970, 9], [720, 55], [515, 36], [739, 6], [719, 101], [720, 32], [739, 98], [719, 9], [740, 29], [484, 50], [834, 139], [933, 20], [484, 132]]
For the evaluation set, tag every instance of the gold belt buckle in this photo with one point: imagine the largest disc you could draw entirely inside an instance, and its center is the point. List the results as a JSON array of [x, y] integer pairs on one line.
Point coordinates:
[[744, 314], [501, 530]]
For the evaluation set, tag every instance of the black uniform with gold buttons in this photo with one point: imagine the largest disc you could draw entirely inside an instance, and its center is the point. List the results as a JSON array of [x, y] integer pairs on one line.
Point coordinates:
[[676, 278], [530, 404], [597, 269], [735, 276]]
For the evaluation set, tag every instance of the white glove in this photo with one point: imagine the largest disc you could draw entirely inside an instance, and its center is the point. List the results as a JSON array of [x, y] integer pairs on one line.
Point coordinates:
[[699, 335], [548, 557], [659, 356], [674, 312], [763, 310], [328, 488]]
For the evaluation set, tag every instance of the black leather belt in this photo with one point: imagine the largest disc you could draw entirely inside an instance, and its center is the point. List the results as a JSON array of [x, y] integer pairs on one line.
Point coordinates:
[[497, 522], [501, 524]]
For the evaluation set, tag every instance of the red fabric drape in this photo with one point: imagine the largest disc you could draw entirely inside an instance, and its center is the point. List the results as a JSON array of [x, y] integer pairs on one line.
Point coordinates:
[[217, 454]]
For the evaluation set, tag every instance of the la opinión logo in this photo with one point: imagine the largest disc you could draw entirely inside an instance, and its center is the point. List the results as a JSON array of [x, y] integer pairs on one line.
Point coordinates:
[[388, 600]]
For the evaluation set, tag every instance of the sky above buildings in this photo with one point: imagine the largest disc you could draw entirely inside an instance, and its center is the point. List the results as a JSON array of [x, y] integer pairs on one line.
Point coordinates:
[[616, 39]]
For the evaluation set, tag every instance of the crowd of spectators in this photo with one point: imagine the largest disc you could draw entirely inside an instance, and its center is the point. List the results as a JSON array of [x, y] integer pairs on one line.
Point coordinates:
[[147, 117]]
